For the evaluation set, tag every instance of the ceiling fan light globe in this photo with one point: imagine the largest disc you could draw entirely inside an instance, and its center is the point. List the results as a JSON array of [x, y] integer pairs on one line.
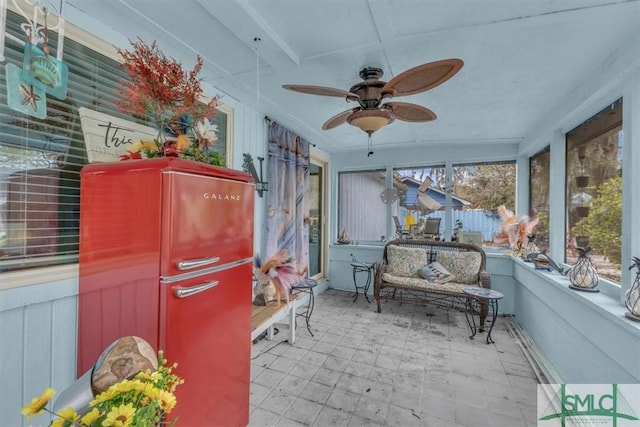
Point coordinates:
[[370, 121]]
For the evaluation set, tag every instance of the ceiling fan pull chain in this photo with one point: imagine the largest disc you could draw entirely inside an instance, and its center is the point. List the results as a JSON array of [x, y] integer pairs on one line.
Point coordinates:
[[369, 146]]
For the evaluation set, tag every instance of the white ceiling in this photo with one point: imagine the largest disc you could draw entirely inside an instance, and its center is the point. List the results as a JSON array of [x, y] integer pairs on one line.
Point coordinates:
[[521, 57]]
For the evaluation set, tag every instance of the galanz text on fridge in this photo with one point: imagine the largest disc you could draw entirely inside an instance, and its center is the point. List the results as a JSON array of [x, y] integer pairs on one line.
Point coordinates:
[[214, 196]]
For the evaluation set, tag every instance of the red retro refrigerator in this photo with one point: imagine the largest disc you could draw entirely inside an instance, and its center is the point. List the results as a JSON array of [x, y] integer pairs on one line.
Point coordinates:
[[166, 254]]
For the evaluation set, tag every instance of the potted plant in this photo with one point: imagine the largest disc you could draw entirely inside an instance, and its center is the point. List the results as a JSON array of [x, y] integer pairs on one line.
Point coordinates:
[[143, 400]]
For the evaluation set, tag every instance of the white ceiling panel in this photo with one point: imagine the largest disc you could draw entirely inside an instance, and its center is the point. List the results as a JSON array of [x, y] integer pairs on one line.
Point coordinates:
[[522, 58]]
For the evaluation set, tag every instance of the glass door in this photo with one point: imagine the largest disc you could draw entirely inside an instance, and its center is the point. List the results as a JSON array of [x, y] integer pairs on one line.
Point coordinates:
[[316, 219]]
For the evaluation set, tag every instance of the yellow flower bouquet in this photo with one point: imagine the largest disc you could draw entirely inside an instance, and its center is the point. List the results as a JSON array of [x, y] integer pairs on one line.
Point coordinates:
[[141, 401]]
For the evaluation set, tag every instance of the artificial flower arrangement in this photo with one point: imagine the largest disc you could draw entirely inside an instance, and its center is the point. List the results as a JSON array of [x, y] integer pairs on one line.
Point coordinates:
[[278, 270], [161, 91], [516, 230], [144, 400]]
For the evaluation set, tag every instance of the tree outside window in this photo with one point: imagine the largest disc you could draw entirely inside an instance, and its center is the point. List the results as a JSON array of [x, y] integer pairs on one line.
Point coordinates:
[[594, 190], [539, 179]]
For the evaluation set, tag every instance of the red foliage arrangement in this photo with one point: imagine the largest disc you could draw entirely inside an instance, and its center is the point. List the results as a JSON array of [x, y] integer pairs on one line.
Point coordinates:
[[159, 88], [161, 91]]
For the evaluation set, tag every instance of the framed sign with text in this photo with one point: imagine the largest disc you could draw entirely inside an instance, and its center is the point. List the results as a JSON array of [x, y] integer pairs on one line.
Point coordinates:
[[106, 137]]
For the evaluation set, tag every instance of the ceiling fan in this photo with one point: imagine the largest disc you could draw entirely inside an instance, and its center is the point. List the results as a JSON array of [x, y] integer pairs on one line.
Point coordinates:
[[372, 114]]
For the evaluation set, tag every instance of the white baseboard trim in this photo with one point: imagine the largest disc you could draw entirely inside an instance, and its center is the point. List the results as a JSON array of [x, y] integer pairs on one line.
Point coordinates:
[[542, 367]]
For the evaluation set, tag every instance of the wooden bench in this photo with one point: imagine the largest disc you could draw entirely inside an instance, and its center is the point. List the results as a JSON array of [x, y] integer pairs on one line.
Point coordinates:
[[263, 318]]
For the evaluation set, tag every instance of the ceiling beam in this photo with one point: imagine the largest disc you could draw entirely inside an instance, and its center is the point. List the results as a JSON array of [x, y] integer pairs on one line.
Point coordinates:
[[247, 24]]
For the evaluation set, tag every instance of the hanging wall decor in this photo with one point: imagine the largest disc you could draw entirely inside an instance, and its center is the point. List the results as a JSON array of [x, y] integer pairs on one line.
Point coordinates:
[[583, 275], [249, 167], [41, 73], [43, 70], [35, 32], [23, 97], [632, 297]]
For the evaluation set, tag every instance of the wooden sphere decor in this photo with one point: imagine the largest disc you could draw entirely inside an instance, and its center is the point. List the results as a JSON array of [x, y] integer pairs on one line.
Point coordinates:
[[123, 359]]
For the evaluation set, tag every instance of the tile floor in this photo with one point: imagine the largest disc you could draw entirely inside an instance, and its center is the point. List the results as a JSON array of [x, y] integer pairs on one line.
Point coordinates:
[[411, 365]]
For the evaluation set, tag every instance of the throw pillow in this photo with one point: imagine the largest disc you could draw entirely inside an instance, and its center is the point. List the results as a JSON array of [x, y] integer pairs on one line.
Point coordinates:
[[406, 262], [435, 272], [464, 266]]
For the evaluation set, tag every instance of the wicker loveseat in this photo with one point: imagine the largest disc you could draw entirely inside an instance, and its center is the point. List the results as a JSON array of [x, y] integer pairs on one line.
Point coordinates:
[[397, 277]]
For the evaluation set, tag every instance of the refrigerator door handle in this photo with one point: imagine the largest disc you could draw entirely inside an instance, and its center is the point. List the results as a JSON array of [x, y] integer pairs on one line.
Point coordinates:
[[186, 265], [181, 292]]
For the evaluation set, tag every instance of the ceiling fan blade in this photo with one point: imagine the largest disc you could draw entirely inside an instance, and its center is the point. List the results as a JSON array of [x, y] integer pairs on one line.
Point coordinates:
[[423, 77], [408, 112], [338, 119], [322, 90]]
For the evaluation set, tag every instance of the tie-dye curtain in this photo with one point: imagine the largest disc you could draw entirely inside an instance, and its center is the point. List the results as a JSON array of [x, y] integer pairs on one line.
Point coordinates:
[[287, 199]]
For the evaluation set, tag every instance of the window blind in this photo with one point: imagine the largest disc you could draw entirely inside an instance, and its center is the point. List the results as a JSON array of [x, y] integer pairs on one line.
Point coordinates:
[[40, 159]]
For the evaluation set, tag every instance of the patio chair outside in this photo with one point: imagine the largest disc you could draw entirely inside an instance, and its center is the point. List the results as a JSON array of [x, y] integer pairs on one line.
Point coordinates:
[[431, 229], [401, 231]]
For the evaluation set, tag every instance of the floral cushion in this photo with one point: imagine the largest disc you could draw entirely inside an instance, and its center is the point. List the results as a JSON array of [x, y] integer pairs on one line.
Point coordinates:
[[464, 266], [423, 284], [403, 261]]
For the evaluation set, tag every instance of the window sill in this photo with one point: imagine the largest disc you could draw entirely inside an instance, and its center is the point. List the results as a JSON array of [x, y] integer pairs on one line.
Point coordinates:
[[605, 303], [28, 277], [360, 244]]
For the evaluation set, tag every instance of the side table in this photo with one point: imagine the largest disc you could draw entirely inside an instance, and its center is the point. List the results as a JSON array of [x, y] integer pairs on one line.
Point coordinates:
[[478, 294], [362, 267], [306, 286]]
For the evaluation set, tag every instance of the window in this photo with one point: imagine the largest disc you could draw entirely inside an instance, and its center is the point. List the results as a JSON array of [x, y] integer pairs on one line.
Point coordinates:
[[594, 190], [476, 192], [539, 176], [422, 196], [40, 159], [317, 233], [362, 215], [418, 206], [480, 189]]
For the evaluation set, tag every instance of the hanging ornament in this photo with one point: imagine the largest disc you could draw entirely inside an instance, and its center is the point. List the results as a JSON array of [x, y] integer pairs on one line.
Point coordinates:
[[43, 70], [583, 275], [530, 248], [41, 73], [632, 296], [22, 96]]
